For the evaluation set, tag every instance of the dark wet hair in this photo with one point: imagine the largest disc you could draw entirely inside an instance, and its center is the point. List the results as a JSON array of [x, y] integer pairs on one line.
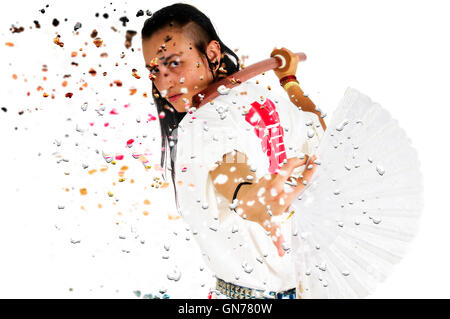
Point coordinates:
[[202, 32]]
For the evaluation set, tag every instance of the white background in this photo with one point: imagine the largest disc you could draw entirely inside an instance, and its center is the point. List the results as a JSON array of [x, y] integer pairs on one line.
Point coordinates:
[[396, 52]]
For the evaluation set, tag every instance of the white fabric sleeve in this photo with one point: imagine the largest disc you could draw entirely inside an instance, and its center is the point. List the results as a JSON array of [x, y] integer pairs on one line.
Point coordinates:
[[201, 144]]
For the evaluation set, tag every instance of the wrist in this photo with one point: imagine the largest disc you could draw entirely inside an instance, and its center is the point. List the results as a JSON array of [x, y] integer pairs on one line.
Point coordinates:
[[287, 81], [287, 77]]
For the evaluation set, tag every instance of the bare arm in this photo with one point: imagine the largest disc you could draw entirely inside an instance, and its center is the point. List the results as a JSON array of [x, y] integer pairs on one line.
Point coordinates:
[[296, 96], [295, 93], [269, 190], [237, 170], [235, 167]]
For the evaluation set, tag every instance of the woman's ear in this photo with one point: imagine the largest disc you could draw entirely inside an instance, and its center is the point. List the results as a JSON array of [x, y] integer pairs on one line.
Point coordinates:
[[213, 52]]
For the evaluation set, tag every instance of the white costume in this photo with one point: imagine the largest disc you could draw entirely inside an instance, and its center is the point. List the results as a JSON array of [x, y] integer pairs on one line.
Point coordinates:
[[353, 221], [237, 250]]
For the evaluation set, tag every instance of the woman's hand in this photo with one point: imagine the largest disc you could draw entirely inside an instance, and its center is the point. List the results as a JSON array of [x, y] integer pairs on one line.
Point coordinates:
[[268, 196], [292, 67], [271, 195], [277, 238]]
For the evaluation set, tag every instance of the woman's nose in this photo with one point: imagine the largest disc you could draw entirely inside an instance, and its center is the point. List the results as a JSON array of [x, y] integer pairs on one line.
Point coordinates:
[[165, 79]]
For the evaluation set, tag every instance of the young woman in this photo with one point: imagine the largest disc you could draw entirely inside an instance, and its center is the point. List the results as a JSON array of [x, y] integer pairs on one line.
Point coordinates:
[[231, 159]]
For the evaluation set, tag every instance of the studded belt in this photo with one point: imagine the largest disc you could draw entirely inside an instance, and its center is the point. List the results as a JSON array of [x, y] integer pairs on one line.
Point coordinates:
[[239, 292]]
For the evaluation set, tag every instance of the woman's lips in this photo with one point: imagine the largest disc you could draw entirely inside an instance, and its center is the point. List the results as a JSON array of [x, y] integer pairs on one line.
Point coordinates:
[[173, 98]]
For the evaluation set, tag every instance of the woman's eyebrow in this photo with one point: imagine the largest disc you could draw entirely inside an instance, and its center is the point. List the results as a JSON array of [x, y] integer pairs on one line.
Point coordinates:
[[170, 56], [163, 59]]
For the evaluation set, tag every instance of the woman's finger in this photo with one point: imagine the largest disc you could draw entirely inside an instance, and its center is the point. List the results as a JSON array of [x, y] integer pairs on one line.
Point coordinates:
[[291, 164], [277, 183], [306, 177], [277, 239]]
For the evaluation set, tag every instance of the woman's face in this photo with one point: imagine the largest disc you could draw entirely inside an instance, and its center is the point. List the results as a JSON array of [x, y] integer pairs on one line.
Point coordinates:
[[177, 69]]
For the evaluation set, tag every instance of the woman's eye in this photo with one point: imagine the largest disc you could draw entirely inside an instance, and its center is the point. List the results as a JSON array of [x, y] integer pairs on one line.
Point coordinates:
[[174, 63]]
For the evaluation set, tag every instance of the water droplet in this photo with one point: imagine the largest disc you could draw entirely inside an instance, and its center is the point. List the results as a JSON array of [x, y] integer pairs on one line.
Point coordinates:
[[247, 268], [380, 170], [323, 266], [220, 109], [268, 210], [174, 275], [108, 158], [223, 90], [273, 192], [77, 26], [221, 179], [376, 220], [340, 127], [234, 204]]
